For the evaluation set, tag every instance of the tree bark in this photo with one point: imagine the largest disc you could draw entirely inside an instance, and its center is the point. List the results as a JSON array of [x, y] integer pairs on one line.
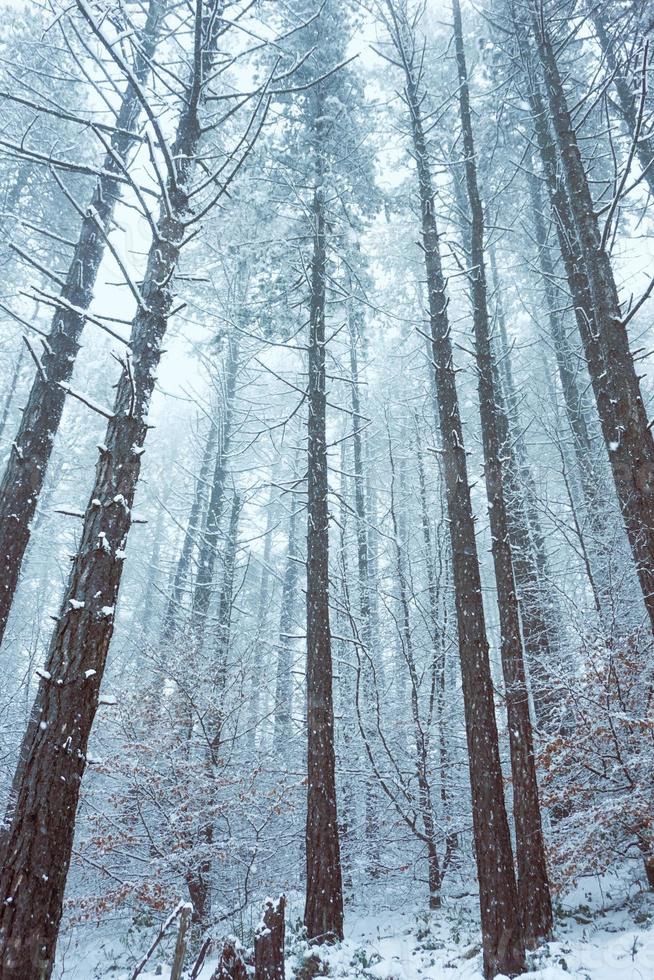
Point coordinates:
[[533, 883], [198, 879], [503, 947], [180, 946], [261, 653], [208, 547], [591, 479], [627, 103], [231, 965], [284, 676], [25, 471], [437, 671], [52, 759], [323, 913], [269, 942], [189, 543], [420, 733], [530, 565], [368, 621], [626, 427]]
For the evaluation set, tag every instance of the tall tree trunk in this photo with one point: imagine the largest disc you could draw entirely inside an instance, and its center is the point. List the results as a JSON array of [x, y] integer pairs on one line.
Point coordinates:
[[437, 671], [533, 883], [526, 539], [573, 400], [25, 471], [261, 652], [530, 565], [284, 677], [421, 736], [368, 621], [208, 546], [591, 479], [577, 281], [623, 85], [503, 946], [198, 878], [346, 687], [39, 837], [323, 913], [626, 429], [189, 543]]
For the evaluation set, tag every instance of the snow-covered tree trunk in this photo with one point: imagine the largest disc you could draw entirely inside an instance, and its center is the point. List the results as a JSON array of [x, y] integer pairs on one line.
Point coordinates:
[[593, 484], [26, 467], [323, 913], [629, 437], [53, 754], [261, 653], [369, 636], [421, 737], [502, 940], [285, 646], [190, 540], [533, 883], [618, 71], [208, 547], [198, 878]]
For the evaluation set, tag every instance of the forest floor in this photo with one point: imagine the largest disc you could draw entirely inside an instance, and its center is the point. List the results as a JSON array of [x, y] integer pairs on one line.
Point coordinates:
[[604, 931]]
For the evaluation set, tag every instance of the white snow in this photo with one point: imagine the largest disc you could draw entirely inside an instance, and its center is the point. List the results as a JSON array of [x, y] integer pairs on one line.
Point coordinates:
[[604, 931]]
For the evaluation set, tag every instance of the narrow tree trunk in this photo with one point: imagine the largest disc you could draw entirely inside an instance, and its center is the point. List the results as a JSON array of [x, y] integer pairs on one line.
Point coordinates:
[[591, 479], [31, 450], [592, 482], [189, 543], [208, 546], [346, 688], [52, 759], [525, 535], [437, 692], [537, 614], [261, 653], [323, 913], [420, 734], [284, 676], [580, 293], [198, 879], [180, 946], [533, 883], [368, 623], [502, 941]]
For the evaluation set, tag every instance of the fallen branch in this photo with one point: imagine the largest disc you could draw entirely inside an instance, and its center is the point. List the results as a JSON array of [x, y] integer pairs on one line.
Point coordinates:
[[138, 969]]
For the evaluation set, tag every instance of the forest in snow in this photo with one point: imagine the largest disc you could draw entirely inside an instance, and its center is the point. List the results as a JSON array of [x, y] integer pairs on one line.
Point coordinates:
[[326, 489]]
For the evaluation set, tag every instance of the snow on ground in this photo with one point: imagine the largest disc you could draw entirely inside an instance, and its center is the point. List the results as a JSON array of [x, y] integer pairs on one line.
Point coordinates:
[[604, 931]]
